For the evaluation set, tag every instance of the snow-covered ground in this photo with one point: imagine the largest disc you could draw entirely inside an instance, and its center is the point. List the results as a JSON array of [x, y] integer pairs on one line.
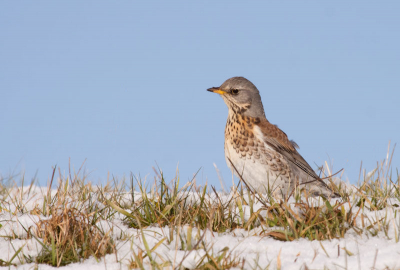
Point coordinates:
[[354, 251]]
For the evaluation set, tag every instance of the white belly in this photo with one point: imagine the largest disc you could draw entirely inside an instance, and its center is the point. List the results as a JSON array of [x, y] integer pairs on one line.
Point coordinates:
[[255, 172]]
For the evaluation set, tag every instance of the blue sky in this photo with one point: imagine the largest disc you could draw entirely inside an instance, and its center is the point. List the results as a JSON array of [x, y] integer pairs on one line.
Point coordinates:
[[123, 84]]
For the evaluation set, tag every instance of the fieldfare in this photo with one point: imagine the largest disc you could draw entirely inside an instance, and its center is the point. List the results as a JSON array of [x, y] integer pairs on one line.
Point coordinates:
[[258, 151]]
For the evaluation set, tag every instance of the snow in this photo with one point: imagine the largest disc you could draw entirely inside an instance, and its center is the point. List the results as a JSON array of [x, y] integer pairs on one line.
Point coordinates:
[[354, 251]]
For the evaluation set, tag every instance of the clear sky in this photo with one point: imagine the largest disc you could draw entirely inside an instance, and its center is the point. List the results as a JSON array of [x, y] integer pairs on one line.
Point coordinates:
[[123, 83]]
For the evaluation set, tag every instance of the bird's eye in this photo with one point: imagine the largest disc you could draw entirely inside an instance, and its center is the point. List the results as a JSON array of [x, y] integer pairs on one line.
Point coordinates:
[[234, 91]]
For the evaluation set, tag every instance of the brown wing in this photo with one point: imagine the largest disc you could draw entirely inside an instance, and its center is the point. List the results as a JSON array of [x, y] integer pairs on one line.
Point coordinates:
[[278, 140]]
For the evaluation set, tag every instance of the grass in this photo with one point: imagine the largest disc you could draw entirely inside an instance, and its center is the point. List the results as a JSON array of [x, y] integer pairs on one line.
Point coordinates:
[[71, 236], [77, 220]]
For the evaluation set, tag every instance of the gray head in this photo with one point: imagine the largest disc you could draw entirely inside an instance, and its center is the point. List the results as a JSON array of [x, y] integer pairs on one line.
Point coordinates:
[[241, 96]]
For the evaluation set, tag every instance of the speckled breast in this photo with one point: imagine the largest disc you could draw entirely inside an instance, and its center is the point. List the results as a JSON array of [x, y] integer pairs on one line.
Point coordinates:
[[260, 165]]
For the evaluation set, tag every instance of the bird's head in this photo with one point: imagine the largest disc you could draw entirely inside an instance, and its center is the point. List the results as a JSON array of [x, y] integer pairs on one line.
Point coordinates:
[[241, 96]]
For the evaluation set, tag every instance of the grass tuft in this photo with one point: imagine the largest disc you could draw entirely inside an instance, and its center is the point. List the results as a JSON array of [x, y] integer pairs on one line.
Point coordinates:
[[71, 236]]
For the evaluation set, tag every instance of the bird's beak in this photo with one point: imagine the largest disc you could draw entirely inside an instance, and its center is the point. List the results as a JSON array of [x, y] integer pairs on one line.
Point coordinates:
[[216, 90]]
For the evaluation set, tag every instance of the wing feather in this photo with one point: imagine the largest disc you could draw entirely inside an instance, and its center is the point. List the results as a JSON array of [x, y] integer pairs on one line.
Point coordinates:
[[278, 140]]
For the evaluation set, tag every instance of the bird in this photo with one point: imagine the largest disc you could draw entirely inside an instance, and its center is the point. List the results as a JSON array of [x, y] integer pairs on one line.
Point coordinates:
[[260, 153]]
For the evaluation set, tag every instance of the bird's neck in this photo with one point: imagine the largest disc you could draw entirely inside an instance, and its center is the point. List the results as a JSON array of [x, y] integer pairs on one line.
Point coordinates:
[[238, 116], [243, 120], [247, 110]]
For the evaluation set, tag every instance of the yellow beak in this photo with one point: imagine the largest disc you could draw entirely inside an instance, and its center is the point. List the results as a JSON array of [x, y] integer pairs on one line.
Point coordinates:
[[216, 90]]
